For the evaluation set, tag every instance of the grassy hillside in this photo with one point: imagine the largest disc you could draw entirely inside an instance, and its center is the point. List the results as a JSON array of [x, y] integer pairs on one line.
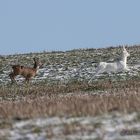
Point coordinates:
[[71, 65], [61, 87], [66, 74]]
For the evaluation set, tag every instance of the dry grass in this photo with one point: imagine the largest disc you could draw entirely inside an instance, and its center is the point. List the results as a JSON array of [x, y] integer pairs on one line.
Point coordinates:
[[75, 99]]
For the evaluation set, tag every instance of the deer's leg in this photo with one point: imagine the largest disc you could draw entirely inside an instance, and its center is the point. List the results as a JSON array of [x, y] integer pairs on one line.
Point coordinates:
[[12, 77], [27, 79], [97, 72], [127, 69]]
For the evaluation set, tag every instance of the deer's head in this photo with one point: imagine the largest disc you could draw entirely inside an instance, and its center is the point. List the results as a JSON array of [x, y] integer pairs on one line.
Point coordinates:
[[125, 53]]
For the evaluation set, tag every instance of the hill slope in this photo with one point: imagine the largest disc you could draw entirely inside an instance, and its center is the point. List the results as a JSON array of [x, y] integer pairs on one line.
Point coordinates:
[[72, 65], [60, 104]]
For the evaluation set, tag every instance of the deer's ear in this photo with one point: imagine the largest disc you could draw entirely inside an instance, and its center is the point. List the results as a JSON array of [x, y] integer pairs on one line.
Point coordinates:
[[36, 59], [124, 48]]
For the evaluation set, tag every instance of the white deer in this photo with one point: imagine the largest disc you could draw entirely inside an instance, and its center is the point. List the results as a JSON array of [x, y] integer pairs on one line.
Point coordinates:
[[114, 67]]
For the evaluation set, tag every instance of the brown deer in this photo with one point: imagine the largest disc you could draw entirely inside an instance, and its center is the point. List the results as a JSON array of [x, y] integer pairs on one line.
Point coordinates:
[[26, 72]]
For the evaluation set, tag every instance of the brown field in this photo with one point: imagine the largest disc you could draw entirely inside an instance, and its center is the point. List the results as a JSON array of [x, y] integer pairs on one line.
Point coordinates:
[[73, 99]]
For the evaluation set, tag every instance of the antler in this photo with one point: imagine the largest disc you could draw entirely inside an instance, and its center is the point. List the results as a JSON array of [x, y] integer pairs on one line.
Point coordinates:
[[35, 59], [124, 48]]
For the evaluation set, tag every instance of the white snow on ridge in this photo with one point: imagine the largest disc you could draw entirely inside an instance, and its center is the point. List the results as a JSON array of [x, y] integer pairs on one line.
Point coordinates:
[[107, 127]]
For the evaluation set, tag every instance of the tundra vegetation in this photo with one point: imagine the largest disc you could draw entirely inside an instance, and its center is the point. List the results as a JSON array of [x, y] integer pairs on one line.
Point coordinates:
[[61, 97]]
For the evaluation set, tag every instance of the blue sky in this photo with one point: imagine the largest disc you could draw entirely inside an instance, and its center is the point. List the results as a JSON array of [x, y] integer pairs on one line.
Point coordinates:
[[58, 25]]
